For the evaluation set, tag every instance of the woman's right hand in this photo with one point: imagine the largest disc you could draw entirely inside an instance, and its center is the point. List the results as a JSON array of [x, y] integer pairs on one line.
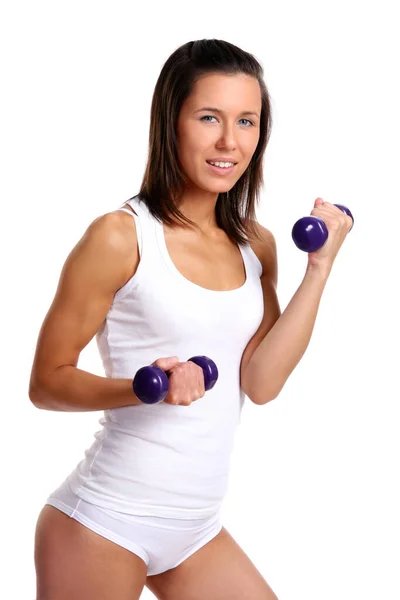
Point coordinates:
[[186, 380]]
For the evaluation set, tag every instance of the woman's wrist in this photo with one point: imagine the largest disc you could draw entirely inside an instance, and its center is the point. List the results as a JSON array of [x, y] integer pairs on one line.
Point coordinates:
[[320, 271]]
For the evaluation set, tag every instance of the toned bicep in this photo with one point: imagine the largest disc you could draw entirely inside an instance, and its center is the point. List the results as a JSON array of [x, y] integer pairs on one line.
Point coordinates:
[[269, 281], [94, 270]]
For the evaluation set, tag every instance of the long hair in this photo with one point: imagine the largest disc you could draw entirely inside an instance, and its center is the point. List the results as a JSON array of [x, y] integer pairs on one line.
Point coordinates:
[[164, 180]]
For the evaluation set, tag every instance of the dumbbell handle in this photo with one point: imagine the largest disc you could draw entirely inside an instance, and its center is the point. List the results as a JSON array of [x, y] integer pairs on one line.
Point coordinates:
[[151, 384], [310, 233]]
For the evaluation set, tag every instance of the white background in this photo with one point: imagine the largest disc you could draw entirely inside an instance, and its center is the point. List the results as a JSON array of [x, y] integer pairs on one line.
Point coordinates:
[[314, 498]]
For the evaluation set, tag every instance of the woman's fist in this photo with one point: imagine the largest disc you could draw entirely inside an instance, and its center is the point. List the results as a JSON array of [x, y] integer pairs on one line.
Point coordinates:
[[186, 380], [338, 224]]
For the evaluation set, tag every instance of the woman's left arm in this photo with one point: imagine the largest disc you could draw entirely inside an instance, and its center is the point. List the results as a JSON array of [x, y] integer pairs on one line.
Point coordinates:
[[281, 340], [278, 353]]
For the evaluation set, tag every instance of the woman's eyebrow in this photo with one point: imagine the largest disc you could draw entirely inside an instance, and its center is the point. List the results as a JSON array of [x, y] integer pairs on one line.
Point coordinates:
[[218, 110]]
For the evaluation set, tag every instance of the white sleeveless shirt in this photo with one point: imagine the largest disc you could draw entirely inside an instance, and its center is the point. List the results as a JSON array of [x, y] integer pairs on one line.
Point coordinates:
[[160, 459]]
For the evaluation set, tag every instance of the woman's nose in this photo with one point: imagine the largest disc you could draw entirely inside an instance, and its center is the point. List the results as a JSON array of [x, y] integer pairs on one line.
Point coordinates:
[[227, 139]]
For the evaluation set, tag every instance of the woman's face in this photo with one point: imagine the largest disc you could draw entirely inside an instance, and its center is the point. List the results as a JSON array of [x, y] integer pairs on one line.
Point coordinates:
[[219, 120]]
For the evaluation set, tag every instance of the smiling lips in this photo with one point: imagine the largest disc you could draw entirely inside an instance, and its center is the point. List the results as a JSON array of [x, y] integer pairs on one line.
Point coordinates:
[[221, 167], [221, 159]]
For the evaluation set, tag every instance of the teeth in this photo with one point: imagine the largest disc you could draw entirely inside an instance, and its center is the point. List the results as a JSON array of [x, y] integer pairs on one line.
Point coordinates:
[[221, 164]]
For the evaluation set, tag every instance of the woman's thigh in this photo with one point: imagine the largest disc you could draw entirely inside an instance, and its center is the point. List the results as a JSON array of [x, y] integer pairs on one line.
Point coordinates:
[[74, 562], [219, 570]]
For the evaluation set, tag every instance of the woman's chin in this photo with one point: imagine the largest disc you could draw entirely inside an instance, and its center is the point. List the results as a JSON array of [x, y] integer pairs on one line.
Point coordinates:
[[219, 187], [213, 187]]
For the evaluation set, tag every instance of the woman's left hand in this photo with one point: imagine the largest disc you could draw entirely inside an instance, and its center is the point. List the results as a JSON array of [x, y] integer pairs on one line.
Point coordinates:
[[338, 224]]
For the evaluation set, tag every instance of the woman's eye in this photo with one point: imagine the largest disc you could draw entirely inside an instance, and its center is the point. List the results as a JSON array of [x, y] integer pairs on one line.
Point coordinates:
[[251, 122], [207, 117]]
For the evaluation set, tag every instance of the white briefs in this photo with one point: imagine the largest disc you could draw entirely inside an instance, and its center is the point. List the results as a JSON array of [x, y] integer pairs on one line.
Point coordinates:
[[162, 543]]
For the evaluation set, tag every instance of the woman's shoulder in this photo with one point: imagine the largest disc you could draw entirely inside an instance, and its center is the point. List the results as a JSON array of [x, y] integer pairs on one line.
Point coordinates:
[[110, 239], [110, 242], [116, 229]]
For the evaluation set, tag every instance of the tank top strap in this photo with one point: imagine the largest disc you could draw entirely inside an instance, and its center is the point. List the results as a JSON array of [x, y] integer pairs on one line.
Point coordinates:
[[145, 228], [139, 232], [126, 210], [251, 260]]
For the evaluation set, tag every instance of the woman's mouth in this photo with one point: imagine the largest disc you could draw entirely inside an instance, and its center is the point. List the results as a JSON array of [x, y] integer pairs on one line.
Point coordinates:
[[221, 168]]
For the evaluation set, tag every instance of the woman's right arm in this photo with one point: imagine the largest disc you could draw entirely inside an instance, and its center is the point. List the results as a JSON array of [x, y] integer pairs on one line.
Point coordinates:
[[101, 263]]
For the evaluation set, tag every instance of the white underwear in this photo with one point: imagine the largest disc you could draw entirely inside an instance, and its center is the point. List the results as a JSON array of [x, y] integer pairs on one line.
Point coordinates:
[[162, 543]]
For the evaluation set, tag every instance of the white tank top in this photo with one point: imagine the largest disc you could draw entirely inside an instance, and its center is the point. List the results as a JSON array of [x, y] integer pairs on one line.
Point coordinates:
[[161, 459]]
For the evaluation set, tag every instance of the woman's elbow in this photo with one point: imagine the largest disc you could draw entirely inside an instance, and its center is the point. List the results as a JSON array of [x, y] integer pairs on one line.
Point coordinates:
[[263, 398], [36, 393]]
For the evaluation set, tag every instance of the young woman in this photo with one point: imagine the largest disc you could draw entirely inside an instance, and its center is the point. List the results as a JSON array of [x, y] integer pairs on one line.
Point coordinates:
[[182, 269]]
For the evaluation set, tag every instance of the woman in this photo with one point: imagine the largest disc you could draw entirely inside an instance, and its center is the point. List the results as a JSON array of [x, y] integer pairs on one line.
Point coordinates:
[[182, 269]]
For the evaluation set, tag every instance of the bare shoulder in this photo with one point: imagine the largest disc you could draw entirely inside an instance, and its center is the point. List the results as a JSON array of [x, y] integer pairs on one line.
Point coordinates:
[[265, 250], [108, 249], [117, 229]]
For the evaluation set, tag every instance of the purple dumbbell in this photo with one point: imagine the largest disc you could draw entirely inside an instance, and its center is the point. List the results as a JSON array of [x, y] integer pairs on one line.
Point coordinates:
[[151, 384], [310, 233]]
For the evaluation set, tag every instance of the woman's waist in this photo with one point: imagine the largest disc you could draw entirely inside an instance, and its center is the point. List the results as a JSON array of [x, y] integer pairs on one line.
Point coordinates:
[[139, 499]]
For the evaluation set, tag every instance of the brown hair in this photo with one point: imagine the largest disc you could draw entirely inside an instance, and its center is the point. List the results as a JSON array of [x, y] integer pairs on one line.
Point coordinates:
[[164, 180]]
